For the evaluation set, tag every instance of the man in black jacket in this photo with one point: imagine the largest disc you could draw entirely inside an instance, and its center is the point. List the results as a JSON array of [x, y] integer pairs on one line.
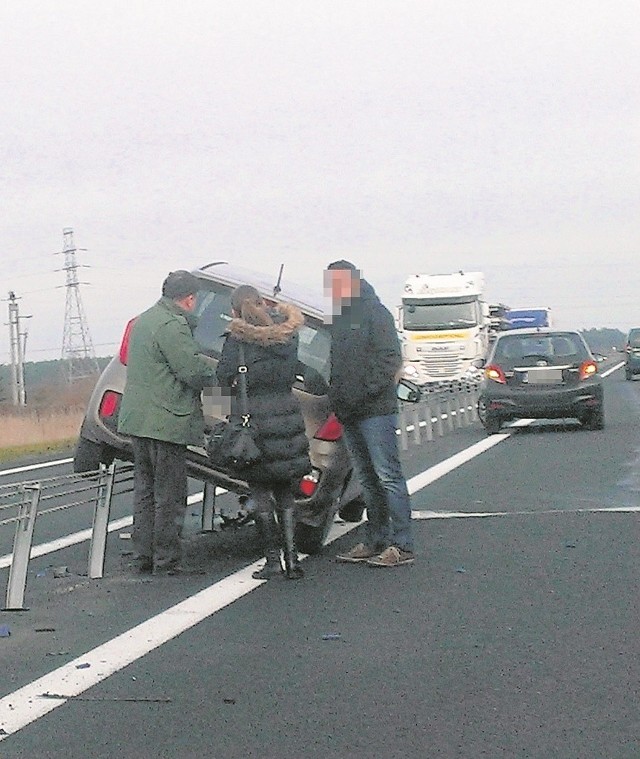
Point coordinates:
[[365, 365]]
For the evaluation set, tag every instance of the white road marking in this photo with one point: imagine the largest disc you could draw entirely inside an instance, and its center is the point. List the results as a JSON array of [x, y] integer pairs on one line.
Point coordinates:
[[29, 468], [536, 513]]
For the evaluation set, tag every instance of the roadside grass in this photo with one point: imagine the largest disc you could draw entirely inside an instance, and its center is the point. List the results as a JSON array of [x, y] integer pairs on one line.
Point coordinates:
[[17, 452], [38, 432]]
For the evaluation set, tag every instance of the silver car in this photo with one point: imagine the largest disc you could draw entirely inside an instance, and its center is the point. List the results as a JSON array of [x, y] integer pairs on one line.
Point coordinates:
[[330, 486]]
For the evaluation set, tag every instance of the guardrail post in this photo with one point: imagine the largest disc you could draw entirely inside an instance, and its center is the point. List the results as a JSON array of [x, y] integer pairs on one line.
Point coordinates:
[[98, 545], [449, 409], [439, 425], [429, 420], [208, 507], [417, 432], [460, 396], [22, 547]]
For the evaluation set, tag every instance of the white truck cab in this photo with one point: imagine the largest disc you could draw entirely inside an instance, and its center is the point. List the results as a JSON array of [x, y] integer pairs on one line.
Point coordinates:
[[443, 324]]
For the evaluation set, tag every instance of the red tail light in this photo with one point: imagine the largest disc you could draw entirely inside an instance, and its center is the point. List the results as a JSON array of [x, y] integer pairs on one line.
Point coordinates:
[[495, 373], [123, 354], [109, 404], [309, 483], [588, 369], [331, 430]]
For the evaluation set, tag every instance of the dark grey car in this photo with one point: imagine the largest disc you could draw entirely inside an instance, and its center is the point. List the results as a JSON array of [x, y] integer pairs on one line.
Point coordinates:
[[329, 486], [540, 373]]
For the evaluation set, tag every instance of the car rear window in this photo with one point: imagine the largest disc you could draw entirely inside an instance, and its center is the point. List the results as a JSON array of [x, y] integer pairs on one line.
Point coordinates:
[[213, 310], [634, 338], [556, 348]]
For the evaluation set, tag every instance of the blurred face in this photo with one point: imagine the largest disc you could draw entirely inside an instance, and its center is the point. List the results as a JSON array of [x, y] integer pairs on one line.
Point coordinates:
[[341, 284]]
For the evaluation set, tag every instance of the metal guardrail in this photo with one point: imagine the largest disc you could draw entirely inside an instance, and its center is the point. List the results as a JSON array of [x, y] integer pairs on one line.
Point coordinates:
[[25, 501], [437, 412]]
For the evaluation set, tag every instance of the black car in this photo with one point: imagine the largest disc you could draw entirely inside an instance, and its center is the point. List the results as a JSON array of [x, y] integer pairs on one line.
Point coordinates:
[[330, 485], [632, 353], [540, 373]]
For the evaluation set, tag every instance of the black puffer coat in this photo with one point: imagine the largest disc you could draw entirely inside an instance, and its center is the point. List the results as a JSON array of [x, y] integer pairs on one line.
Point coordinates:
[[271, 354], [365, 359]]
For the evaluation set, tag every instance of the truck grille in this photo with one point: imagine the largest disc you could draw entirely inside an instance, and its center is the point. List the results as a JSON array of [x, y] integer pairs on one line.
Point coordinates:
[[442, 366]]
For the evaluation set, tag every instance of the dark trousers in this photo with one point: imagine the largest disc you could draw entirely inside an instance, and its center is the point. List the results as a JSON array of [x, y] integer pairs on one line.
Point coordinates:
[[266, 498], [160, 499]]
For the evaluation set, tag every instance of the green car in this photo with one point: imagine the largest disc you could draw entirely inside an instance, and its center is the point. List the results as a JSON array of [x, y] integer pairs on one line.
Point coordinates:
[[632, 351]]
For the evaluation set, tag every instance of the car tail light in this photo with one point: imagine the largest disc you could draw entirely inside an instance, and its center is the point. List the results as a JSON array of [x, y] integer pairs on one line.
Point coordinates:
[[495, 373], [309, 483], [109, 404], [588, 369], [123, 354], [331, 430]]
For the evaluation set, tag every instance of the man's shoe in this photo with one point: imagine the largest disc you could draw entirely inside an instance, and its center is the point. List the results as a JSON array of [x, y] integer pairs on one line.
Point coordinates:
[[357, 554], [392, 557]]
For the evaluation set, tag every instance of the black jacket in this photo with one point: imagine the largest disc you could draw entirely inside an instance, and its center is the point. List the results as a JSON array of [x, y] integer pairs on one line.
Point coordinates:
[[365, 358], [271, 372]]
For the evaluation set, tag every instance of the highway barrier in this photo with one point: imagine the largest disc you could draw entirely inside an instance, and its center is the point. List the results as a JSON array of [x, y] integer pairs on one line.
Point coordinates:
[[24, 502], [437, 412]]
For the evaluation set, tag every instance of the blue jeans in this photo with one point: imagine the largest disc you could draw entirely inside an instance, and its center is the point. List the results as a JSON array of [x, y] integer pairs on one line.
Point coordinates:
[[373, 446]]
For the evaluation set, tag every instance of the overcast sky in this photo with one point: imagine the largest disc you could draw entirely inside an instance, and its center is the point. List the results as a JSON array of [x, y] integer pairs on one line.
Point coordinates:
[[408, 136]]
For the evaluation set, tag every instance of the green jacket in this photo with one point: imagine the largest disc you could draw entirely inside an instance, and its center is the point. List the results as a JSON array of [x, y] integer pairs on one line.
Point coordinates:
[[165, 375]]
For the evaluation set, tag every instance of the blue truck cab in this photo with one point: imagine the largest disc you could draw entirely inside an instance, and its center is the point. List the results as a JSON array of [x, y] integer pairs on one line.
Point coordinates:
[[518, 318]]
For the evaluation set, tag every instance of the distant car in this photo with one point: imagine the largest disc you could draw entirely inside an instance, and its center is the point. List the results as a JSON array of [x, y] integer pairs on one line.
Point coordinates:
[[329, 486], [632, 353], [540, 373]]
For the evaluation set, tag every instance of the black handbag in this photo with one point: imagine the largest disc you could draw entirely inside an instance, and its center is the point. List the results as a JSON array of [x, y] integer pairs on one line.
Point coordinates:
[[233, 442]]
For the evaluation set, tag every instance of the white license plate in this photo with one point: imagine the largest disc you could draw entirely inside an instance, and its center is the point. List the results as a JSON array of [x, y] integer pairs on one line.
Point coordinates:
[[544, 376]]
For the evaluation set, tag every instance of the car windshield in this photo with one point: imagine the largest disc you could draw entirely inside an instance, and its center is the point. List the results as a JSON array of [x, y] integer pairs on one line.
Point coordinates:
[[213, 311], [560, 348]]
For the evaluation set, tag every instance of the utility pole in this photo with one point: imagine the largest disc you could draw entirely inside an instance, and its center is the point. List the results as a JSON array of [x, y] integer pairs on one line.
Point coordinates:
[[16, 337], [77, 348]]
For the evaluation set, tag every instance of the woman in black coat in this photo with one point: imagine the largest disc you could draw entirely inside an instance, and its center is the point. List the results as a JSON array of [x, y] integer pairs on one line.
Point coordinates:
[[270, 340]]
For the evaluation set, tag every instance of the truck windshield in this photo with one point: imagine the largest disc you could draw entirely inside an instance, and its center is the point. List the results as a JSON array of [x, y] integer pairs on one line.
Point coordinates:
[[440, 315]]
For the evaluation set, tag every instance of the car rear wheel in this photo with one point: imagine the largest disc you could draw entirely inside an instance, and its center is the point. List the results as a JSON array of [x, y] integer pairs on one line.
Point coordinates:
[[492, 423], [594, 419], [352, 511], [310, 539], [628, 375], [88, 456]]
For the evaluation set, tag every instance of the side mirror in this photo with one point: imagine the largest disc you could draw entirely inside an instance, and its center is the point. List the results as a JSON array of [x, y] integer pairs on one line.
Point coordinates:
[[408, 391]]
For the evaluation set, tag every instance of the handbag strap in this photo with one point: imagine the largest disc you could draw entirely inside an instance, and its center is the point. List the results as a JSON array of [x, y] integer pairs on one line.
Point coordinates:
[[243, 401]]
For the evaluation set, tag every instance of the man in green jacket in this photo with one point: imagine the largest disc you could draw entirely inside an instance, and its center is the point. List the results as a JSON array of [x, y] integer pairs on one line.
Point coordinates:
[[162, 412]]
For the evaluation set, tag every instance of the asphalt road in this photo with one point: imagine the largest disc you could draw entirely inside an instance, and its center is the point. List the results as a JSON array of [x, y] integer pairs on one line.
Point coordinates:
[[515, 633]]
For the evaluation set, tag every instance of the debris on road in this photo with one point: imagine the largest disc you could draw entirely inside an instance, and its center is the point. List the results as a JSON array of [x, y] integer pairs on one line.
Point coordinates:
[[5, 632], [332, 636]]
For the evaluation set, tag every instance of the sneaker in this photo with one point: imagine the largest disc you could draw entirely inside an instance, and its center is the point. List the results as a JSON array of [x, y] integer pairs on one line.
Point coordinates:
[[391, 557], [358, 553]]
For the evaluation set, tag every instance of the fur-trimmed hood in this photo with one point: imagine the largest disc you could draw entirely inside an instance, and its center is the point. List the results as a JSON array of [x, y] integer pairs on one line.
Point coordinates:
[[288, 320]]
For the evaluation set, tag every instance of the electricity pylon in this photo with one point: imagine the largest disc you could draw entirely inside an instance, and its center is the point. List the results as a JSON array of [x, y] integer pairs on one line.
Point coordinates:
[[77, 348]]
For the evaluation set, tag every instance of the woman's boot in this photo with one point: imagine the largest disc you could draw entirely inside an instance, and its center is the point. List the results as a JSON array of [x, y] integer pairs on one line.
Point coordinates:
[[292, 567], [270, 539]]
